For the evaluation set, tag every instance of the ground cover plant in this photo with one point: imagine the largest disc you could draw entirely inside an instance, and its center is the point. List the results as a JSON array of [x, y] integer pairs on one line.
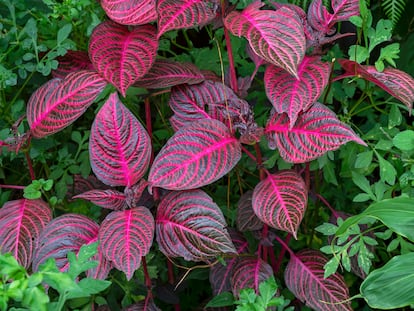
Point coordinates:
[[205, 154]]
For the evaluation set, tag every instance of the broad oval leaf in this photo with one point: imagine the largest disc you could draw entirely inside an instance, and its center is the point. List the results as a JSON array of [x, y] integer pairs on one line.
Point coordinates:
[[280, 201], [246, 218], [276, 36], [67, 233], [130, 12], [197, 155], [179, 14], [190, 225], [119, 146], [291, 95], [167, 73], [109, 198], [21, 222], [249, 273], [58, 103], [126, 236], [316, 131], [122, 56], [72, 61], [304, 276]]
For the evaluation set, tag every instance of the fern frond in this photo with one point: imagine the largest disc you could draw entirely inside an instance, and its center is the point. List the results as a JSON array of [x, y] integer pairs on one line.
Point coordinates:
[[393, 9]]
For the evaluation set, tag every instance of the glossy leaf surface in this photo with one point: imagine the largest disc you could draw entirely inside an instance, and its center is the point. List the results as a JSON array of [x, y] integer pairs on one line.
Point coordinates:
[[21, 222], [195, 156], [190, 225], [130, 12], [119, 146], [304, 276], [126, 236], [316, 131], [109, 198]]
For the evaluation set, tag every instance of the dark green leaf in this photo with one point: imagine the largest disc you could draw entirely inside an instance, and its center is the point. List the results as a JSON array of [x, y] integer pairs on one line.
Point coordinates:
[[222, 300]]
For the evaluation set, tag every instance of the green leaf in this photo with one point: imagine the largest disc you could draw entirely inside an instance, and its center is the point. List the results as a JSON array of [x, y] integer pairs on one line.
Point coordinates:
[[389, 53], [327, 228], [331, 266], [387, 171], [268, 289], [362, 197], [82, 262], [391, 286], [363, 183], [358, 53], [363, 159], [356, 20], [394, 117], [63, 33], [35, 298], [381, 34], [404, 140], [224, 299], [88, 287]]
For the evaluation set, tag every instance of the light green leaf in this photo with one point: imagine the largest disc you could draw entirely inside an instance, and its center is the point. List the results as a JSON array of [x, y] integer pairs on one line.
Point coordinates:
[[387, 171], [362, 197], [63, 33], [394, 117], [358, 53], [404, 140], [364, 159], [363, 183], [222, 300], [330, 267]]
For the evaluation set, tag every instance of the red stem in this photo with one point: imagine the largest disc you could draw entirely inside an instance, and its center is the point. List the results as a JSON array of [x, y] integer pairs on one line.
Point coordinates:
[[273, 259], [149, 123], [251, 156], [259, 161], [12, 187], [29, 163], [171, 280], [148, 283], [285, 248], [324, 201]]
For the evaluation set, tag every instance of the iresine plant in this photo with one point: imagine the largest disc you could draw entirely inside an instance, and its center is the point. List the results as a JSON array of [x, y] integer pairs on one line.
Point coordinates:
[[165, 196]]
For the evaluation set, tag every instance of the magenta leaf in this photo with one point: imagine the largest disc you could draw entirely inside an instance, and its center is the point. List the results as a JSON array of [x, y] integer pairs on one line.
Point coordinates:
[[72, 61], [21, 222], [66, 234], [304, 276], [276, 36], [246, 218], [280, 201], [120, 55], [190, 225], [119, 146], [167, 73], [58, 103], [130, 12], [110, 199], [179, 14], [291, 95], [316, 131], [197, 155], [126, 236], [249, 273]]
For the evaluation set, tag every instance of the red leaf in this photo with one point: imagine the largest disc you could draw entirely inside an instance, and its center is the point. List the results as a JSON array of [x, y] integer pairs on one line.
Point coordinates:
[[304, 276], [120, 55], [246, 218], [126, 236], [21, 222], [291, 95], [249, 273], [197, 155], [130, 12], [316, 131], [276, 36], [58, 103], [190, 225], [66, 234], [280, 201], [166, 73], [179, 14], [110, 199], [72, 61], [119, 146]]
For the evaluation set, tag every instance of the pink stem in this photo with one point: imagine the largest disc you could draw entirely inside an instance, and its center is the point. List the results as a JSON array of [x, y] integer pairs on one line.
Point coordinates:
[[147, 277], [324, 201], [29, 163], [12, 187], [285, 248], [251, 156]]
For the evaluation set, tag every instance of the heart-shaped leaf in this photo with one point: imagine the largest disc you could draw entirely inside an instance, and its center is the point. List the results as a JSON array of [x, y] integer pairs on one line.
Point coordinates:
[[304, 276], [280, 201], [120, 55], [291, 95], [58, 103], [246, 218], [276, 36], [179, 14], [110, 199], [67, 233], [167, 73], [190, 225], [130, 12], [197, 155], [126, 236], [21, 222], [72, 61], [316, 131], [119, 146]]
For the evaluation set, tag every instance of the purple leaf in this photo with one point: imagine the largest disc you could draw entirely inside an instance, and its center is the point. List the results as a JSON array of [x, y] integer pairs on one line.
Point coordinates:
[[276, 36], [130, 12], [291, 95], [21, 222], [197, 155], [66, 234], [179, 14], [167, 73], [246, 218], [72, 61], [304, 276], [190, 225], [120, 55], [110, 199], [81, 185], [133, 194], [58, 103], [249, 273], [126, 236], [280, 201], [316, 131], [119, 146], [143, 305]]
